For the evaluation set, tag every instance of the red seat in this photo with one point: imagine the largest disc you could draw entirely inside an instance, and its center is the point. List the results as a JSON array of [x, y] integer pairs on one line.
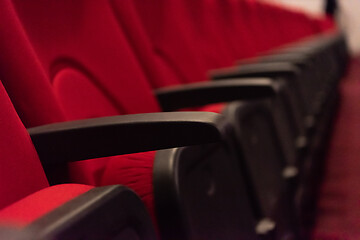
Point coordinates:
[[36, 205], [70, 60], [176, 38], [169, 46], [27, 198], [242, 37], [189, 38], [64, 88], [21, 171]]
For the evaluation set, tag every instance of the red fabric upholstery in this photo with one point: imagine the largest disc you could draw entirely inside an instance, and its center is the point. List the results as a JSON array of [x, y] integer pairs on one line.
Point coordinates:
[[21, 172], [204, 18], [36, 205], [283, 25], [75, 99], [98, 55], [256, 27], [69, 60], [152, 59], [244, 44], [20, 65], [64, 60], [137, 168], [177, 42], [171, 39], [185, 39], [326, 24], [88, 79], [192, 37]]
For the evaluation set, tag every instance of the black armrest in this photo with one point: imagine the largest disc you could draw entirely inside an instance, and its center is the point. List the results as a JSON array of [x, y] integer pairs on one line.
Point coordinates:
[[199, 94], [315, 44], [299, 60], [270, 70], [101, 137], [101, 213], [304, 49]]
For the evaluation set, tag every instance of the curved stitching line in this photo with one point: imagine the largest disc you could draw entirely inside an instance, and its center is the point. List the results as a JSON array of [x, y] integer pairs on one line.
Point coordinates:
[[62, 63]]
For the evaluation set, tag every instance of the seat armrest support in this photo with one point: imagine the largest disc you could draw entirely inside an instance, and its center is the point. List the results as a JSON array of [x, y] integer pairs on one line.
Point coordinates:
[[269, 70], [199, 94]]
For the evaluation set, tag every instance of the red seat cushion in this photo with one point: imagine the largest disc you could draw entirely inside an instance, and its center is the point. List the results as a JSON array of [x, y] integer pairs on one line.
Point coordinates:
[[81, 65], [38, 204], [99, 61], [134, 171]]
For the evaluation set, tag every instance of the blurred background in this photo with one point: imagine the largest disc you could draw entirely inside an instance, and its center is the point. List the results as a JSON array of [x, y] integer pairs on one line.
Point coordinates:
[[347, 15]]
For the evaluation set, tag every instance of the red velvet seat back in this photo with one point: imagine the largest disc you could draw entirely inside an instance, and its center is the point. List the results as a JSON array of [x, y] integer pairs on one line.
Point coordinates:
[[182, 40], [65, 60], [192, 37], [239, 32], [275, 25], [258, 29], [184, 34], [152, 60], [208, 27], [83, 66], [172, 37], [292, 25], [21, 172], [326, 24]]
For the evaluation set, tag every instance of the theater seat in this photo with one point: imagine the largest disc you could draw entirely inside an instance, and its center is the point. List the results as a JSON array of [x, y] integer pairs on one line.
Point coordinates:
[[162, 53], [49, 212], [176, 38], [82, 67]]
